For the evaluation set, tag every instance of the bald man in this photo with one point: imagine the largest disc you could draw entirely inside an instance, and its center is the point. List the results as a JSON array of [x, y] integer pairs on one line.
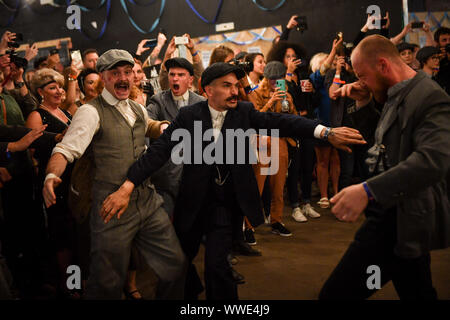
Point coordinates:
[[406, 199]]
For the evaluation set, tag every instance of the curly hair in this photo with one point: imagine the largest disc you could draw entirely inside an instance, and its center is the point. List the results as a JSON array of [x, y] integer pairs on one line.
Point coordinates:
[[278, 51], [219, 54], [43, 77]]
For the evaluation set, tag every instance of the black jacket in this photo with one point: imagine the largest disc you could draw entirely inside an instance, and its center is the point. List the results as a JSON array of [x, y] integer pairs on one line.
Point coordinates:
[[417, 142], [197, 177]]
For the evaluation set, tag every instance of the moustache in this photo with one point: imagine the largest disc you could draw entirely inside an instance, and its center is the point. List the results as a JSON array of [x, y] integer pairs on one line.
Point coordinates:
[[122, 84], [232, 98]]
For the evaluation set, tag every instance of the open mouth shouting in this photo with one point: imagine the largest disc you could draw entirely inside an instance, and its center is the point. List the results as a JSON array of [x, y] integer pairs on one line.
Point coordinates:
[[122, 89], [175, 87]]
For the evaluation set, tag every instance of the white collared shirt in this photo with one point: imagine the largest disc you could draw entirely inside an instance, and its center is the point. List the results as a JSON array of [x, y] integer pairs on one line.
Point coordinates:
[[86, 123], [182, 100], [217, 119]]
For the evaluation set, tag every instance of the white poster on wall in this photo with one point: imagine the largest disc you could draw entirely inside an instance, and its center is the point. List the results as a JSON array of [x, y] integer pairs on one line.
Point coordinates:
[[254, 50]]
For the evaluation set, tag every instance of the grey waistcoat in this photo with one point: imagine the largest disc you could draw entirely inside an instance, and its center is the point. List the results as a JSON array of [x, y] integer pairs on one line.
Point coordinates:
[[117, 145]]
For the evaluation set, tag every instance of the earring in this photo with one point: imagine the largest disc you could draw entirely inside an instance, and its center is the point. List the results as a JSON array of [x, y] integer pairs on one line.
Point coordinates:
[[42, 99]]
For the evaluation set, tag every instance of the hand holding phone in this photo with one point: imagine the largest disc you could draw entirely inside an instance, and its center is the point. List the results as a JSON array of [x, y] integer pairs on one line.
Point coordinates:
[[151, 43], [417, 25], [181, 40], [281, 84]]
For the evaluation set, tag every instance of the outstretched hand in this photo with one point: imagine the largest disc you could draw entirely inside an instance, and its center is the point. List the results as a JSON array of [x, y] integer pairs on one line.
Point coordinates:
[[26, 140], [341, 137]]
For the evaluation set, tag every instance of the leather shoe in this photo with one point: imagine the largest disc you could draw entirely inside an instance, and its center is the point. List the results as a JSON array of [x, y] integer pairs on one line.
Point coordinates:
[[239, 278], [243, 248]]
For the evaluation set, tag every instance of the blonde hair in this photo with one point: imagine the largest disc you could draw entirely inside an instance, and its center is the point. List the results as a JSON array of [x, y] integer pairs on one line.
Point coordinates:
[[45, 76], [317, 60]]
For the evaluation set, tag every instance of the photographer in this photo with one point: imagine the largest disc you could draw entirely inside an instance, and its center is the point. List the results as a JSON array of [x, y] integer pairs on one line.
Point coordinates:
[[293, 56], [271, 98], [371, 20]]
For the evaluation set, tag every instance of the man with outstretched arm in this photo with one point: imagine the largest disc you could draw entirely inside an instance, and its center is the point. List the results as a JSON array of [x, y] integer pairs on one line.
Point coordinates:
[[212, 195], [113, 128]]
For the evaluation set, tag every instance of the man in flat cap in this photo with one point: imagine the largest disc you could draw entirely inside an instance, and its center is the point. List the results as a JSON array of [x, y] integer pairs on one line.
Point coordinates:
[[212, 195], [164, 106], [113, 128]]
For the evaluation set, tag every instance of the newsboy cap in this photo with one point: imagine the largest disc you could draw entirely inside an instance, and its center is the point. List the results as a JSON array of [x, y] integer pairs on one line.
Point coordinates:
[[112, 57], [179, 63], [274, 70], [426, 52], [218, 70]]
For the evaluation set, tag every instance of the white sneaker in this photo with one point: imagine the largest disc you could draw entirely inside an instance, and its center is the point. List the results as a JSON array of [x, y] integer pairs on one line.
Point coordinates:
[[298, 216], [309, 211]]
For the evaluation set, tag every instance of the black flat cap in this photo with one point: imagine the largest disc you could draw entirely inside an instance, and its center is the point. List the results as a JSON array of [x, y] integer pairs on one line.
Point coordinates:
[[426, 52], [218, 70], [405, 46], [179, 63]]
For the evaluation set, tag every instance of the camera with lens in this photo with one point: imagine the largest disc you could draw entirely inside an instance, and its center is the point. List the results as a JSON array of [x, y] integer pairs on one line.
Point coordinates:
[[246, 66], [19, 62]]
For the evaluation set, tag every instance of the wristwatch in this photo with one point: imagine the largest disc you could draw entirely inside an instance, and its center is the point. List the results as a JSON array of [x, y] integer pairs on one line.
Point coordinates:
[[19, 85], [328, 132]]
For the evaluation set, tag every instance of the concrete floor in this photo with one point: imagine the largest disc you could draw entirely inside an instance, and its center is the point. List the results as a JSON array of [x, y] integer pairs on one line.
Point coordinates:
[[295, 268]]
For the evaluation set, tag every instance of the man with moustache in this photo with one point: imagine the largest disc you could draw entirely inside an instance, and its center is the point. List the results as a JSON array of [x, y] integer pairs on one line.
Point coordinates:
[[212, 195], [406, 200], [113, 128], [164, 106]]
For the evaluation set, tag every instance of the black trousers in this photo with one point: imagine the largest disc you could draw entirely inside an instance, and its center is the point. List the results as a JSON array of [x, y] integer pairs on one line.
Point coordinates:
[[374, 245], [216, 224]]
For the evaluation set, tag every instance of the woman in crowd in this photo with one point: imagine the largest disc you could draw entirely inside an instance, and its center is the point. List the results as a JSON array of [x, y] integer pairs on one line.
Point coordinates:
[[327, 156], [90, 84], [47, 85], [256, 60], [271, 98], [139, 91], [293, 56]]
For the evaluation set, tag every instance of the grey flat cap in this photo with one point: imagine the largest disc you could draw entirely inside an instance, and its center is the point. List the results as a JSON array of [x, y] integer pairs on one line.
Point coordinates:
[[111, 57], [275, 70]]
